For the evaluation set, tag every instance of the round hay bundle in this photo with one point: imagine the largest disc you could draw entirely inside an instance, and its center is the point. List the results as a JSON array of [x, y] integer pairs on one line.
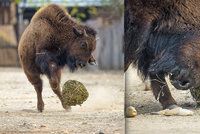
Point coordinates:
[[74, 93], [195, 92]]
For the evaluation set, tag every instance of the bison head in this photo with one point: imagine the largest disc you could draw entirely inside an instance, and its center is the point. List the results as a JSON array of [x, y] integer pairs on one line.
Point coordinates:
[[80, 51]]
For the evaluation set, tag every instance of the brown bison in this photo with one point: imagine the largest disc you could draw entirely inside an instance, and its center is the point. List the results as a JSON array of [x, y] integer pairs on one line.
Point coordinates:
[[162, 38], [51, 41]]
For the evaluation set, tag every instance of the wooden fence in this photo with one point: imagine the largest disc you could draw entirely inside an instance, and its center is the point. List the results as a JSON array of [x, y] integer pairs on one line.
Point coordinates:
[[109, 51], [8, 46]]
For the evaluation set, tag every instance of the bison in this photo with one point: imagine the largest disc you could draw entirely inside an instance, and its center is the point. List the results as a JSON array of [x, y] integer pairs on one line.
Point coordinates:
[[162, 39], [52, 40]]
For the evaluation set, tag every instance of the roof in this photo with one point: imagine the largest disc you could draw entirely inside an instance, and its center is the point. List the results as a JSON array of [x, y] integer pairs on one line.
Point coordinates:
[[66, 3]]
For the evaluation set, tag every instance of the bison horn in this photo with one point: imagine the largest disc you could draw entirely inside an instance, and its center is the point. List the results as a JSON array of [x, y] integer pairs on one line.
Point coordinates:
[[85, 34]]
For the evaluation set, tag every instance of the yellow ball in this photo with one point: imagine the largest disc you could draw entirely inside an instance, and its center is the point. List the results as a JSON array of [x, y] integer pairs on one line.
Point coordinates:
[[74, 93]]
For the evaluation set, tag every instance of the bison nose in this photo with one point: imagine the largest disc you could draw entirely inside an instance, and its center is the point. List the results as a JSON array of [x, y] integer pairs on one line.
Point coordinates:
[[182, 84], [92, 61], [180, 79]]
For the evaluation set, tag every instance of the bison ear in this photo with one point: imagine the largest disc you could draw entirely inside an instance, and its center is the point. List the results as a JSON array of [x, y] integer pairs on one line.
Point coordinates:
[[90, 31], [77, 32]]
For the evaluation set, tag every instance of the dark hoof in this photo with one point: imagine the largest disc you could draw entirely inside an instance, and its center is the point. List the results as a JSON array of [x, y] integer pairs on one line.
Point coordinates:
[[40, 107], [67, 108], [171, 106]]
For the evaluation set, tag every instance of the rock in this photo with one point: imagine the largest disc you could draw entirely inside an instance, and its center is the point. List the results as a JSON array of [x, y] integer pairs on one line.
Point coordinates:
[[84, 123], [42, 126], [131, 112]]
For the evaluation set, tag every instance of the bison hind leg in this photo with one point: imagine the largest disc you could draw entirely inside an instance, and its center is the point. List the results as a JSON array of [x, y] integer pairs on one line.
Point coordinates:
[[36, 81]]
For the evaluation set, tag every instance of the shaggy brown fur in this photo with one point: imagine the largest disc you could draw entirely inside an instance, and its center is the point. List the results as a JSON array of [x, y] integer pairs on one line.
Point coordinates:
[[51, 41], [162, 38]]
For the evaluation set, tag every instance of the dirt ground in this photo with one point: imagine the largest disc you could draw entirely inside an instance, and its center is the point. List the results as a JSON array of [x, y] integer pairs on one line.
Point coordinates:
[[144, 102], [101, 113]]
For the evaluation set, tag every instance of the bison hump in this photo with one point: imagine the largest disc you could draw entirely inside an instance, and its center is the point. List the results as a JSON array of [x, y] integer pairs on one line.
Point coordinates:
[[52, 13]]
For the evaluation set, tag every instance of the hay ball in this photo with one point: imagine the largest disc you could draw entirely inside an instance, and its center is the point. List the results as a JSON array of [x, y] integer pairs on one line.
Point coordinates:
[[74, 93], [195, 92]]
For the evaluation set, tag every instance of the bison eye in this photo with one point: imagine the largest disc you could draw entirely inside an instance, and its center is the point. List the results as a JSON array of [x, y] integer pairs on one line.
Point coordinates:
[[84, 45]]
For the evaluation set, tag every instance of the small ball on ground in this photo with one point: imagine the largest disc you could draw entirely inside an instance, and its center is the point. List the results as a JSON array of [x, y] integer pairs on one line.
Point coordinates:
[[74, 93], [131, 112]]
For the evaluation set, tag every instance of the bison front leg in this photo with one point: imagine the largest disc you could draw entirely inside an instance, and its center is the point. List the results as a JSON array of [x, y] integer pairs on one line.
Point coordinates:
[[162, 92], [54, 80]]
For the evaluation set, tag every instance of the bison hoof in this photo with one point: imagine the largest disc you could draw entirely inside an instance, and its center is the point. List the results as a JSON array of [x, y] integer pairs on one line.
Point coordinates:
[[40, 107], [67, 108], [177, 111], [172, 106]]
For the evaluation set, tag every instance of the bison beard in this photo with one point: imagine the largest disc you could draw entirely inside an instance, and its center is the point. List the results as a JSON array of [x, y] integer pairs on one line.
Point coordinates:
[[51, 41], [42, 61], [162, 38]]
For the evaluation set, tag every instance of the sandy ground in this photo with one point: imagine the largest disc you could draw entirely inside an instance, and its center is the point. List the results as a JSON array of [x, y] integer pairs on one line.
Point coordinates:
[[144, 102], [101, 113]]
